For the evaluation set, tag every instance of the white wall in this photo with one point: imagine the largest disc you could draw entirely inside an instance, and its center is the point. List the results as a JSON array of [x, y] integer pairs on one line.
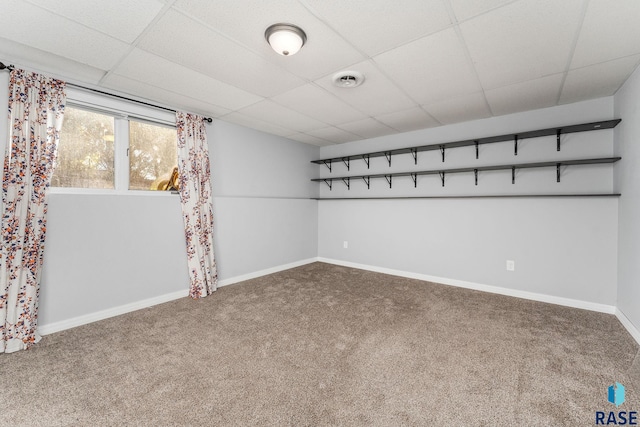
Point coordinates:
[[264, 213], [104, 252], [627, 106], [562, 247]]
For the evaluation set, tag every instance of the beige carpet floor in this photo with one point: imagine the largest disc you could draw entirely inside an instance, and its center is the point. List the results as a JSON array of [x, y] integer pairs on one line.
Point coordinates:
[[324, 345]]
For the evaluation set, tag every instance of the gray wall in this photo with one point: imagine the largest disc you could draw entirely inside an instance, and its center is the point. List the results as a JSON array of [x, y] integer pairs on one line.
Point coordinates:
[[562, 247], [107, 251], [627, 173]]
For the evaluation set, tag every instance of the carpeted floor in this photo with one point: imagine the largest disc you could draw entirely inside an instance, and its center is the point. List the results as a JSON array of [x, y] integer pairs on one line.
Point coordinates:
[[326, 345]]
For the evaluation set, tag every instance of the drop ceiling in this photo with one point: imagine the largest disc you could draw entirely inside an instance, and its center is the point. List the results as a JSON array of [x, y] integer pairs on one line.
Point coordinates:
[[426, 62]]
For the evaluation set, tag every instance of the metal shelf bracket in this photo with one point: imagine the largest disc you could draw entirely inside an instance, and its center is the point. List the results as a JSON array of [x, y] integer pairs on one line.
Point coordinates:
[[515, 145], [442, 151], [414, 177], [387, 154], [558, 172], [389, 177], [513, 174], [367, 180], [475, 172], [414, 153], [477, 149], [442, 174], [558, 139], [366, 159], [327, 163], [329, 183], [346, 161], [347, 182]]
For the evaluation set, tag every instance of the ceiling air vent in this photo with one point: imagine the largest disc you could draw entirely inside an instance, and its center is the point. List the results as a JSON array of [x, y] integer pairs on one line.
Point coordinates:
[[348, 79]]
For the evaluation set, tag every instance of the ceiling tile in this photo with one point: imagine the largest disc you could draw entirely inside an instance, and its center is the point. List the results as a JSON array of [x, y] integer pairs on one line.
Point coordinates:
[[184, 41], [375, 26], [143, 66], [460, 109], [172, 100], [39, 61], [367, 128], [609, 31], [71, 40], [529, 95], [111, 20], [319, 104], [281, 116], [522, 41], [335, 135], [465, 9], [253, 123], [377, 95], [597, 80], [324, 52], [308, 139], [437, 69], [408, 120]]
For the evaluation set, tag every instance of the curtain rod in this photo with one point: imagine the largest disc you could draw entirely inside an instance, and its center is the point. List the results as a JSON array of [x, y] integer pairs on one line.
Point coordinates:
[[11, 68]]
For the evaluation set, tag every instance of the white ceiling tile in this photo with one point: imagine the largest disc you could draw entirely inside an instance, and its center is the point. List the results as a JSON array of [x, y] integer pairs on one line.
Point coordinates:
[[308, 139], [598, 80], [522, 41], [59, 35], [324, 52], [379, 25], [38, 60], [430, 69], [377, 95], [253, 123], [281, 116], [184, 41], [529, 95], [367, 128], [465, 9], [156, 95], [335, 135], [121, 19], [610, 30], [408, 120], [319, 104], [143, 66], [460, 109]]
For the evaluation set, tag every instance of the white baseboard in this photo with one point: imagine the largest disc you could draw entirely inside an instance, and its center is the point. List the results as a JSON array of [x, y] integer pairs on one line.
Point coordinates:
[[264, 272], [633, 331], [568, 302], [127, 308], [110, 312]]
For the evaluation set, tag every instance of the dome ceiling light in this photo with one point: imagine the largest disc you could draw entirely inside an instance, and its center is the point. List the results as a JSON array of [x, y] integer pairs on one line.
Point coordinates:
[[285, 39]]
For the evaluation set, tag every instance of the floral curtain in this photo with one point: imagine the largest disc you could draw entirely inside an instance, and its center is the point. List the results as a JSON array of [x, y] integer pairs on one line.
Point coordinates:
[[36, 109], [197, 203]]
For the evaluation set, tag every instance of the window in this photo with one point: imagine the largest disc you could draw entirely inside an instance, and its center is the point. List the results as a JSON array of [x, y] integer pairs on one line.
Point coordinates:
[[105, 147], [153, 156], [86, 151]]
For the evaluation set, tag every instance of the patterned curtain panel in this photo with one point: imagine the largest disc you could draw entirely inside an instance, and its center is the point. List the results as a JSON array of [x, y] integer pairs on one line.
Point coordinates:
[[197, 203], [36, 109]]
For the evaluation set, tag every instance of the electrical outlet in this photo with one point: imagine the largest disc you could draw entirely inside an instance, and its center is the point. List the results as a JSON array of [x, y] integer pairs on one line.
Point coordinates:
[[511, 265], [345, 244]]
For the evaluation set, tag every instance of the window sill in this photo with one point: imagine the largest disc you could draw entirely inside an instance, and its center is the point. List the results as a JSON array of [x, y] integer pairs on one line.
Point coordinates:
[[107, 192]]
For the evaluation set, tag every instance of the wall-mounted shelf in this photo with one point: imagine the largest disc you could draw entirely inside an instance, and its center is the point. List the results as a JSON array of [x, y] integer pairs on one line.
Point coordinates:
[[496, 196], [443, 172], [515, 137]]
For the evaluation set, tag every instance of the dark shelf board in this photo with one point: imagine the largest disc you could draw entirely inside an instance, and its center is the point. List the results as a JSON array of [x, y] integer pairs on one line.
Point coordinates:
[[481, 168], [584, 127], [500, 196]]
